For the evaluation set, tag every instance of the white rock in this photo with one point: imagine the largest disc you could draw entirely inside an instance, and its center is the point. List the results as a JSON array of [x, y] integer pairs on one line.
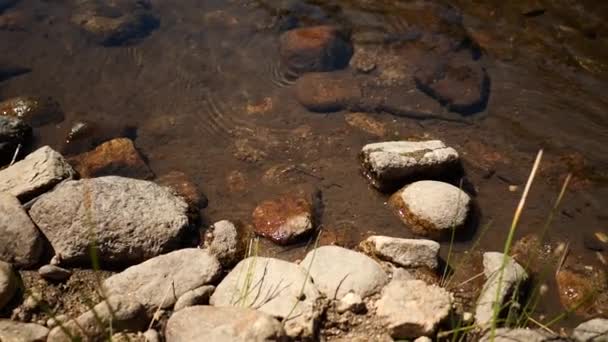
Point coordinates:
[[391, 164], [20, 240], [276, 287], [431, 208], [160, 281], [411, 308], [38, 172], [403, 252], [8, 283], [11, 331], [222, 324], [511, 335], [131, 220], [222, 240], [122, 313], [350, 302], [595, 330], [337, 271], [513, 276], [197, 296], [423, 339]]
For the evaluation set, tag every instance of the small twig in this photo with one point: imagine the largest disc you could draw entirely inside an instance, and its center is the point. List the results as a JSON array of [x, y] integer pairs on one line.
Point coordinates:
[[15, 155]]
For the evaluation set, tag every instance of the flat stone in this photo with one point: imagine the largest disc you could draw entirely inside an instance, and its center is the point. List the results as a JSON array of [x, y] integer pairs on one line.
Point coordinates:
[[13, 132], [403, 252], [337, 271], [276, 287], [391, 164], [411, 308], [20, 240], [8, 283], [286, 219], [121, 313], [133, 220], [223, 241], [327, 91], [595, 330], [513, 276], [199, 296], [519, 334], [54, 273], [117, 157], [160, 281], [40, 171], [22, 332], [431, 208], [222, 324]]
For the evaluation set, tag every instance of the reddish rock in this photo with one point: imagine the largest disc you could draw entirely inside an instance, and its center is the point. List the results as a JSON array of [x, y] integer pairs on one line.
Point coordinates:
[[285, 219], [184, 187], [115, 157], [583, 290], [327, 92]]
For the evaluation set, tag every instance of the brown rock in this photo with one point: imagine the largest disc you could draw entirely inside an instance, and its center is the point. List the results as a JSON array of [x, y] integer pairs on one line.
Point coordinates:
[[317, 48], [236, 181], [115, 157], [327, 92], [285, 219], [184, 187], [83, 136], [36, 111], [13, 21], [583, 290], [366, 123]]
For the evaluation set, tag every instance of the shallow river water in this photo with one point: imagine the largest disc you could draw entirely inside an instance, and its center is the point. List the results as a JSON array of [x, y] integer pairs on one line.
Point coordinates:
[[204, 92]]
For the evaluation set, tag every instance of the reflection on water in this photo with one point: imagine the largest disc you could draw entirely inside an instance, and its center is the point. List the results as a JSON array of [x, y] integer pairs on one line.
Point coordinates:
[[204, 85]]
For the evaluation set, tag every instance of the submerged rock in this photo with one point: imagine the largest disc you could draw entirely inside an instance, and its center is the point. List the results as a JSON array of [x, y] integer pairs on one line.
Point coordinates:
[[8, 283], [431, 208], [184, 187], [336, 271], [20, 241], [286, 219], [389, 165], [174, 274], [583, 290], [13, 132], [117, 157], [316, 48], [84, 136], [22, 332], [35, 111], [276, 287], [128, 220], [411, 308], [595, 330], [507, 280], [119, 313], [226, 324], [328, 92], [403, 252], [40, 171]]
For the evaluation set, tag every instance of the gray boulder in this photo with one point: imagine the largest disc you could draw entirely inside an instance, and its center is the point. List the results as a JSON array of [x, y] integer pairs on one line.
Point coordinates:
[[22, 332], [595, 330], [222, 241], [121, 313], [8, 283], [391, 164], [160, 281], [40, 171], [225, 324], [411, 308], [20, 240], [431, 208], [198, 296], [129, 220], [403, 252], [337, 271], [276, 287], [519, 334], [513, 276]]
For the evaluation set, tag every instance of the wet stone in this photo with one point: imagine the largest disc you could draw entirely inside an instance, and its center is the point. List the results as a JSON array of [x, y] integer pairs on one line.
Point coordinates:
[[316, 48], [391, 164], [183, 186], [35, 111], [286, 219], [327, 92], [583, 290], [117, 157], [40, 171], [13, 132], [151, 220], [22, 332], [222, 324], [403, 252], [54, 273], [366, 123], [431, 208], [8, 283], [20, 241]]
